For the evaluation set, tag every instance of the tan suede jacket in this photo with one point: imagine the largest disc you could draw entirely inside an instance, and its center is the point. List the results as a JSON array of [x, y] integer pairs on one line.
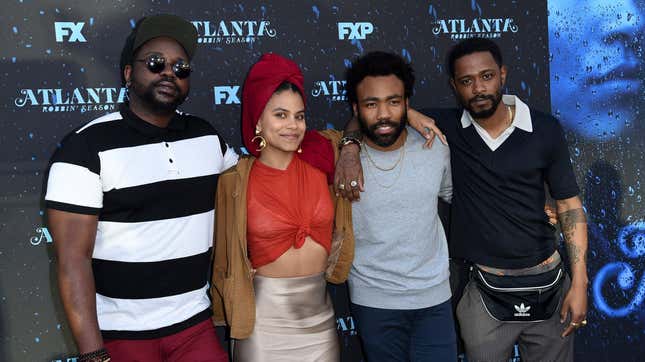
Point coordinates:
[[231, 290]]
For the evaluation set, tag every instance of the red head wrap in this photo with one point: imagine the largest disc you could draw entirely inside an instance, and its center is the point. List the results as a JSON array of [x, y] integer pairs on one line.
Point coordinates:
[[263, 79]]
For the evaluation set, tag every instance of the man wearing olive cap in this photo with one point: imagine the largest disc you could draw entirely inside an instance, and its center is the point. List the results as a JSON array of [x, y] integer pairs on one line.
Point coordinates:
[[130, 200]]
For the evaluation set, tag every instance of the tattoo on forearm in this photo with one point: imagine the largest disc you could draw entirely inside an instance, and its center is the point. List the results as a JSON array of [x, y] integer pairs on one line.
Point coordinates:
[[568, 221], [574, 253]]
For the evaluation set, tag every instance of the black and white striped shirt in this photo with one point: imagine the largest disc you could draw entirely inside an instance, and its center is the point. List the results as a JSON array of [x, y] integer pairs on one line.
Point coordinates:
[[153, 190]]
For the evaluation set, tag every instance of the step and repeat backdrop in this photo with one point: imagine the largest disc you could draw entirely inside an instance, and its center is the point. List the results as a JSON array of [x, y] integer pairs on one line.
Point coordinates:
[[581, 60]]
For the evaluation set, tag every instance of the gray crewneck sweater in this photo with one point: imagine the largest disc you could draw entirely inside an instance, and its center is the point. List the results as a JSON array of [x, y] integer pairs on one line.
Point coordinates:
[[401, 257]]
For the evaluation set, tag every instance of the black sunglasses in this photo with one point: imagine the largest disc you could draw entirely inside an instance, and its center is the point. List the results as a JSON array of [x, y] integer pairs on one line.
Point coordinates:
[[156, 64]]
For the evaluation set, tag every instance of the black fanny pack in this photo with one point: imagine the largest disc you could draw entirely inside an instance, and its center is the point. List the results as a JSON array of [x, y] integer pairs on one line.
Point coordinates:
[[522, 298]]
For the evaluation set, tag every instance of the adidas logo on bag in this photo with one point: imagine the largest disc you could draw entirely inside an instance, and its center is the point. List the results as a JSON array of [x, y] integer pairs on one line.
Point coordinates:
[[522, 310]]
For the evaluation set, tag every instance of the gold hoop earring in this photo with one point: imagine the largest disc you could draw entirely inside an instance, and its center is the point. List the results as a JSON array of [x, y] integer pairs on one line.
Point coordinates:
[[262, 142]]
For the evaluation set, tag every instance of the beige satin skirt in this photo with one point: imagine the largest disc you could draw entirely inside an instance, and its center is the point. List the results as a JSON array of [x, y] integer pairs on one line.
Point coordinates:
[[294, 321]]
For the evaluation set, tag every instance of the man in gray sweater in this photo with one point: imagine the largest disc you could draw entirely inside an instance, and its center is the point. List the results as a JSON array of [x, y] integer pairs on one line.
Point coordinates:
[[399, 278]]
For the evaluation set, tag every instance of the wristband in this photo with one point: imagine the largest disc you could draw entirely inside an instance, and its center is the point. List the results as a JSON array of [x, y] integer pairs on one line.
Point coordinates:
[[348, 140]]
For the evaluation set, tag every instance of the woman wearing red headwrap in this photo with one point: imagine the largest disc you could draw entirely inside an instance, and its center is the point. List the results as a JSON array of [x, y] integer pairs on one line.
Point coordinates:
[[280, 230]]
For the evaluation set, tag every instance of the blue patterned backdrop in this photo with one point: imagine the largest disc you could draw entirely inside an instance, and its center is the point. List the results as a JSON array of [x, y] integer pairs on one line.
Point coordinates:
[[60, 69], [597, 71]]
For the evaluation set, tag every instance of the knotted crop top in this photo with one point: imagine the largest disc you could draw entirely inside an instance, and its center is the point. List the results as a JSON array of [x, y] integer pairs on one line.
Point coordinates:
[[284, 207]]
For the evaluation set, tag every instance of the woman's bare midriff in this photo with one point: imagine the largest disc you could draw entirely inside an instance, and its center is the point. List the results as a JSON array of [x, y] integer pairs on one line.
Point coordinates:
[[310, 259]]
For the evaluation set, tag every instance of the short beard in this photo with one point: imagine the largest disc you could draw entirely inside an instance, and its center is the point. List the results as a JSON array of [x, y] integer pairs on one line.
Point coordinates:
[[147, 96], [383, 141], [486, 113]]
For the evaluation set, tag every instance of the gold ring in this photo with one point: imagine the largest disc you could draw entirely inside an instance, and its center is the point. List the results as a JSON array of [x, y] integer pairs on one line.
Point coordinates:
[[583, 323], [341, 186], [574, 324]]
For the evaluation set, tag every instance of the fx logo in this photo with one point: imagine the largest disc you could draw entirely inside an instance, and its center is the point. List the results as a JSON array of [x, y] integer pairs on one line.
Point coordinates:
[[354, 30], [226, 94], [68, 29]]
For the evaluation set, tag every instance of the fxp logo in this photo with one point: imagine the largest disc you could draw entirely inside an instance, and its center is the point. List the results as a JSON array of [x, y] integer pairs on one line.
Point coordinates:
[[72, 31], [353, 31], [226, 94]]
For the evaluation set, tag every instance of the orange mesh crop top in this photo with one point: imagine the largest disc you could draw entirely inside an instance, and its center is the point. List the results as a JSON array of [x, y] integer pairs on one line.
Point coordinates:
[[284, 207]]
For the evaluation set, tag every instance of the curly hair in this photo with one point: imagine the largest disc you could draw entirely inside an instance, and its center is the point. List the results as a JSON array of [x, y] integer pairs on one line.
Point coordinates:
[[378, 63]]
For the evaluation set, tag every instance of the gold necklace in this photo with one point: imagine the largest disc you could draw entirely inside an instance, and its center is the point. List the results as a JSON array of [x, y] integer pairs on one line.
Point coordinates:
[[375, 178], [510, 116], [385, 168]]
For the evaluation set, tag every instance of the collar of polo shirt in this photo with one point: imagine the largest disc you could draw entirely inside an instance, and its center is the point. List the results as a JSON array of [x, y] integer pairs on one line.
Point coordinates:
[[177, 123]]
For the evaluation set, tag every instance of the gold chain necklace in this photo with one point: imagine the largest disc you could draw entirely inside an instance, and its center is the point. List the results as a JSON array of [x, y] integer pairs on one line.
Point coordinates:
[[510, 116], [401, 154], [375, 178]]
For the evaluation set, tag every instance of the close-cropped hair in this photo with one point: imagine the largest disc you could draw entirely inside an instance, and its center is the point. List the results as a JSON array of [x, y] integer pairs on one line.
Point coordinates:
[[470, 46], [378, 64]]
